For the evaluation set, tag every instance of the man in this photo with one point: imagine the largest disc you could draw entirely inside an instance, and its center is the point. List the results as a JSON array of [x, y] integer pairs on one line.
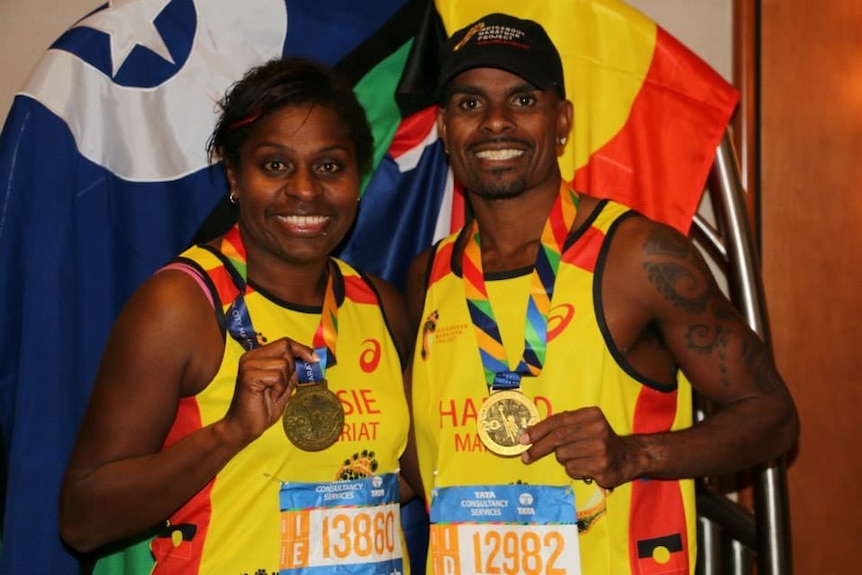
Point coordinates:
[[551, 396]]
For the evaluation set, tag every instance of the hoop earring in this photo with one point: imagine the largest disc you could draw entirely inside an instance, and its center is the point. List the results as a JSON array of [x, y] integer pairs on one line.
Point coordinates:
[[233, 197]]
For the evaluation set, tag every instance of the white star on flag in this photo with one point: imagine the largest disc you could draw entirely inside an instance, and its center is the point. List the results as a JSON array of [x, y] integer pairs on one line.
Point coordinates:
[[129, 23]]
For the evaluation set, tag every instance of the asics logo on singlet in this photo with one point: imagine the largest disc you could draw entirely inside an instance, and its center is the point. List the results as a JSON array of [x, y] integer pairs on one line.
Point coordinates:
[[559, 318], [369, 359]]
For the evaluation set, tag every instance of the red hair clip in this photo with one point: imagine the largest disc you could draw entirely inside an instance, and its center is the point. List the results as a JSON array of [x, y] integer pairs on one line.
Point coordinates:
[[247, 120]]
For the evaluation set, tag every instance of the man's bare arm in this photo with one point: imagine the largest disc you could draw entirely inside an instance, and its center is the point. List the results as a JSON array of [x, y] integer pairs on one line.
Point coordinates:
[[657, 280]]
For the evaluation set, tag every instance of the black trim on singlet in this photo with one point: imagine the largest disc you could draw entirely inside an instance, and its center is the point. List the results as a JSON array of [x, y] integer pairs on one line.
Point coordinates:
[[205, 277], [232, 271], [337, 286], [509, 274], [457, 250], [576, 233], [429, 263], [618, 356], [429, 267], [458, 254]]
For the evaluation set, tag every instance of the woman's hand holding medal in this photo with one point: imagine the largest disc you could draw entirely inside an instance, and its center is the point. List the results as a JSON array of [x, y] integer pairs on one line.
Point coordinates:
[[265, 380]]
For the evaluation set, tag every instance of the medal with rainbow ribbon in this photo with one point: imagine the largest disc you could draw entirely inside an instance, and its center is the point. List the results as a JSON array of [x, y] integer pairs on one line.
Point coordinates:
[[506, 412], [314, 417]]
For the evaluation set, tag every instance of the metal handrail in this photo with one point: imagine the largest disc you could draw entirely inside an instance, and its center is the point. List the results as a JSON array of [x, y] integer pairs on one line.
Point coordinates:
[[770, 521]]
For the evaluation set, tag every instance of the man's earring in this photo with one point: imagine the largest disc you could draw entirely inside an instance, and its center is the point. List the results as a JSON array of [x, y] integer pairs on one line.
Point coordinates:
[[563, 141], [233, 197]]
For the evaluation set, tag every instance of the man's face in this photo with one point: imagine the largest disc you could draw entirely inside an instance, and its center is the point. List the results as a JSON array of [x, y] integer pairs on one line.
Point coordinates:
[[502, 133]]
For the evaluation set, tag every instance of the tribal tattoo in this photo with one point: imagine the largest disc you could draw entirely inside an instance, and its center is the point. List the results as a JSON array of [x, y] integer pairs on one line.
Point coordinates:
[[760, 364], [679, 277]]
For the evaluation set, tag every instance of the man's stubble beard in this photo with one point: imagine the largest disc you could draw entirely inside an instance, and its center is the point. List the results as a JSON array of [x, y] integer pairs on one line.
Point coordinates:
[[499, 189]]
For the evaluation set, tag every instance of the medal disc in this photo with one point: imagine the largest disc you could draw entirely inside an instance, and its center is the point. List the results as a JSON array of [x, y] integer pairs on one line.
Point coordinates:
[[313, 418], [502, 418]]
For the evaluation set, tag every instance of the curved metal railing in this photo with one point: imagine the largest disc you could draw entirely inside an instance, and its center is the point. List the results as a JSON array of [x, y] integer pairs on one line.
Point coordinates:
[[732, 537]]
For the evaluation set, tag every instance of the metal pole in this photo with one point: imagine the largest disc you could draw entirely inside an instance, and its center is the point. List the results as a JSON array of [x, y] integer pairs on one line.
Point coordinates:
[[770, 492]]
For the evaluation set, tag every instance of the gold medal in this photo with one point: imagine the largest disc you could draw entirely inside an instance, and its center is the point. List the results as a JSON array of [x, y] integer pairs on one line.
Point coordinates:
[[314, 417], [502, 418]]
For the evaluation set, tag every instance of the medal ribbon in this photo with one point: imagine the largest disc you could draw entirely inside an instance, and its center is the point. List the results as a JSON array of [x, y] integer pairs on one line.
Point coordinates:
[[498, 375], [239, 322]]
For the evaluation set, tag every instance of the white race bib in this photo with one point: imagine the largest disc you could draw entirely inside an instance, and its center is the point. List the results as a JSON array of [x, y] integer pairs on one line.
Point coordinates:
[[504, 530], [352, 525]]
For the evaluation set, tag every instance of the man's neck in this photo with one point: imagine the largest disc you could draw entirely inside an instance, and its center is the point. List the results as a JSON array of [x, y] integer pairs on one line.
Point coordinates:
[[511, 229]]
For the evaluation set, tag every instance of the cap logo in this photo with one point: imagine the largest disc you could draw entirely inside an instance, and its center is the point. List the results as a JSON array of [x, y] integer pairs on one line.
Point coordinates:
[[500, 33], [493, 34], [469, 34], [520, 47]]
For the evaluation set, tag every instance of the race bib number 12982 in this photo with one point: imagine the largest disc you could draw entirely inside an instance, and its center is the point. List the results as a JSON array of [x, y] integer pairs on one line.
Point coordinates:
[[504, 530]]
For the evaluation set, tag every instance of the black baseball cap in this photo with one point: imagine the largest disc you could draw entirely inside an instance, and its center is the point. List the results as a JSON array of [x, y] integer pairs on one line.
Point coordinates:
[[519, 46]]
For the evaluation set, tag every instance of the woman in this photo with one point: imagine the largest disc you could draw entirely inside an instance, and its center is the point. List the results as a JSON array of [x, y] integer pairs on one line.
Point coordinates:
[[249, 403]]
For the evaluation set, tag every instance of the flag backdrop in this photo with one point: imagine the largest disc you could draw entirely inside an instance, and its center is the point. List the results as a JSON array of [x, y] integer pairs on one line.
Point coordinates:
[[649, 113], [104, 177]]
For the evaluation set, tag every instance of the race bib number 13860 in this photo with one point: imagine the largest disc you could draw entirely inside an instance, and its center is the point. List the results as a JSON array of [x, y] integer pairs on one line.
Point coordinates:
[[354, 526]]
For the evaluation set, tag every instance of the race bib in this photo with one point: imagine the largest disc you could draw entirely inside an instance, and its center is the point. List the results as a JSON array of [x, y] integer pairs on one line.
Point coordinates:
[[354, 525], [504, 530]]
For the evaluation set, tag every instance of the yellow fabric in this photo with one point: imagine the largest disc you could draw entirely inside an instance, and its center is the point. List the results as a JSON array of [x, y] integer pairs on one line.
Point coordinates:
[[580, 370], [606, 47], [244, 533]]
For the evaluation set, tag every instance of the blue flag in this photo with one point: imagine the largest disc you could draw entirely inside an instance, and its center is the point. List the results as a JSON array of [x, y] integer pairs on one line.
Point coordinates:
[[104, 178]]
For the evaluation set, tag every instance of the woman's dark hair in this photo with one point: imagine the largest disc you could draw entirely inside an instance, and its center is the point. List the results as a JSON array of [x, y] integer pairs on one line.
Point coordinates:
[[283, 82]]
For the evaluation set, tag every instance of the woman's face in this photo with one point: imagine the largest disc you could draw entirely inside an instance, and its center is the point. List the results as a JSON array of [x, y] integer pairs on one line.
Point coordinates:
[[298, 185]]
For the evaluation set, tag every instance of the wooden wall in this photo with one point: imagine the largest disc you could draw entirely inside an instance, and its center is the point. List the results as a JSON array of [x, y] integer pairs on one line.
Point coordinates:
[[811, 229]]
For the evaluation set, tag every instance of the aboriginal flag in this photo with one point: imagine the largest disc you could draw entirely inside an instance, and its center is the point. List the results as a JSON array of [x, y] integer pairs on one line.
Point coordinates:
[[649, 113]]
